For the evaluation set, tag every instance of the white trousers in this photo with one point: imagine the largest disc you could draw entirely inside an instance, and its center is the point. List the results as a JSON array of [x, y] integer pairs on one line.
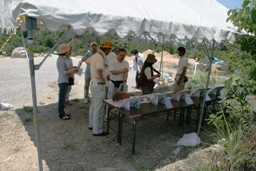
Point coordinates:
[[96, 111]]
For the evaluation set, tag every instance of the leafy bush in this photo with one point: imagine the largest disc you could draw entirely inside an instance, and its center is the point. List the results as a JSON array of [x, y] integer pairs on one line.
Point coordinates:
[[235, 126]]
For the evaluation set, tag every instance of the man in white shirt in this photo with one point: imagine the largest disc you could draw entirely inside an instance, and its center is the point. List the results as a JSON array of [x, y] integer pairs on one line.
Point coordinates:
[[181, 72], [96, 112], [107, 59], [137, 65], [118, 72], [87, 73]]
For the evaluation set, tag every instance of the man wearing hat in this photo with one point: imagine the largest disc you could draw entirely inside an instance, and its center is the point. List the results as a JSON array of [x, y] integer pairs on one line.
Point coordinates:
[[87, 79], [147, 75], [137, 64], [97, 87], [64, 72]]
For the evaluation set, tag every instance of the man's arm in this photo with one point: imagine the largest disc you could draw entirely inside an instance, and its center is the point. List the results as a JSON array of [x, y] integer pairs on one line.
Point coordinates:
[[125, 77], [182, 75], [88, 61], [116, 72], [100, 75], [86, 56]]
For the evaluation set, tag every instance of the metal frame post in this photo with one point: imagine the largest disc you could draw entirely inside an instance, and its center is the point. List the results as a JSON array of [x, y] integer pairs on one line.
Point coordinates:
[[206, 86], [30, 23]]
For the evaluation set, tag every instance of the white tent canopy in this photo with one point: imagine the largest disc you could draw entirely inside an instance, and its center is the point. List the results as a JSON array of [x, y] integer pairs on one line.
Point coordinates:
[[183, 19]]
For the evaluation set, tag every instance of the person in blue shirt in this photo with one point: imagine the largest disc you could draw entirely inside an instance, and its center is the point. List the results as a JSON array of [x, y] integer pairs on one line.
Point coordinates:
[[89, 53]]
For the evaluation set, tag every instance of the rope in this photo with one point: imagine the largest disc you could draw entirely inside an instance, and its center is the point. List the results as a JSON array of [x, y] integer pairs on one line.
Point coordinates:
[[20, 20]]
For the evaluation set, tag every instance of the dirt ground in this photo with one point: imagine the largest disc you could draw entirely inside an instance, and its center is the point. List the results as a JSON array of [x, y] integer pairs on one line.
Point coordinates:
[[69, 145]]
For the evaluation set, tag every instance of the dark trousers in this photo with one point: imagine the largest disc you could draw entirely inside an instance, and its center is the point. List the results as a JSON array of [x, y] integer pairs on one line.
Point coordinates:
[[137, 78], [147, 91], [63, 89]]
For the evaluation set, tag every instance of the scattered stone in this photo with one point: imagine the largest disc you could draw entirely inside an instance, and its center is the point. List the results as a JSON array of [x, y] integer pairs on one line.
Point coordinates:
[[108, 169], [176, 151], [19, 52]]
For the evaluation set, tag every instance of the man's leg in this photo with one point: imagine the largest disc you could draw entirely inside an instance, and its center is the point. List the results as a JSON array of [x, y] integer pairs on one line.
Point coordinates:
[[91, 109], [137, 77], [87, 81], [68, 92], [98, 95], [63, 88], [179, 87]]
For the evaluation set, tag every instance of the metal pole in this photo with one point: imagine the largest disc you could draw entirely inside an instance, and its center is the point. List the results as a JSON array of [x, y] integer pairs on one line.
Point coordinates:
[[33, 88], [24, 44], [161, 62], [206, 86], [37, 67]]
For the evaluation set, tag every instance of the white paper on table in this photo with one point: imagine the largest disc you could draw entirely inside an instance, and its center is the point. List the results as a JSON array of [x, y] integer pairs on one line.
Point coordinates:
[[131, 102], [207, 98], [125, 104], [176, 97], [168, 104], [154, 100], [188, 100], [196, 94]]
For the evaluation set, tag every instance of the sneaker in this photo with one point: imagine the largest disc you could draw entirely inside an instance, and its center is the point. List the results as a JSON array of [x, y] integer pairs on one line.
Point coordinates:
[[101, 134], [65, 118], [86, 100]]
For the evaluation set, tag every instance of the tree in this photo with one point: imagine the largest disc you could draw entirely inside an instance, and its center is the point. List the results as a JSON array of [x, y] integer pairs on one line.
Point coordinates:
[[245, 20]]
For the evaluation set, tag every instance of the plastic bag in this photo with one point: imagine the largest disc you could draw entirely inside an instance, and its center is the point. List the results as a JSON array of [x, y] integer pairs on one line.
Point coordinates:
[[5, 106], [190, 140]]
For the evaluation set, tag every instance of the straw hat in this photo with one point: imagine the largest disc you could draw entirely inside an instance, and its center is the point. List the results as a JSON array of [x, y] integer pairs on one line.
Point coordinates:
[[93, 43], [151, 59], [63, 48], [107, 44]]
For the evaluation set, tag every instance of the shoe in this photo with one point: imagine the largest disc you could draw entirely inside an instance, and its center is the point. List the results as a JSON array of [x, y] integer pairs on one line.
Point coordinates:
[[68, 115], [89, 128], [101, 134], [135, 87], [86, 100], [106, 119], [65, 118]]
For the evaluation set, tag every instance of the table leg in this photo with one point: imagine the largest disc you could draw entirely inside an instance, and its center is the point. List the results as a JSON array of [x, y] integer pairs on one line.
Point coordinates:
[[120, 127], [108, 112], [197, 117], [182, 116], [134, 136]]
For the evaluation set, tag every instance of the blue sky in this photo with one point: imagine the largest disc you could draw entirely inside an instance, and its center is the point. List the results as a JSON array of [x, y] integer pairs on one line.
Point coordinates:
[[230, 4]]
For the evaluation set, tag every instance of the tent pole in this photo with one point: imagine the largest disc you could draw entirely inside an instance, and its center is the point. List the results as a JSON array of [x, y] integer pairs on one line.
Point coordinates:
[[37, 67], [24, 44], [31, 24], [161, 62], [206, 86]]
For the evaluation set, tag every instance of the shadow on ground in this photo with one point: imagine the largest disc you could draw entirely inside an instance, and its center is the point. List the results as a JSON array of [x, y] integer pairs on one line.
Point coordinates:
[[69, 145]]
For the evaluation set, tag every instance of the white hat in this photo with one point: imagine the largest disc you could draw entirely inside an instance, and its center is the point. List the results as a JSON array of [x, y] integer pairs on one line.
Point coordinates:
[[93, 43]]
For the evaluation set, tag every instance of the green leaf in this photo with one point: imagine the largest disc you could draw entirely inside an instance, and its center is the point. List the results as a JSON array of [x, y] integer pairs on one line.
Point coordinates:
[[253, 16], [246, 3]]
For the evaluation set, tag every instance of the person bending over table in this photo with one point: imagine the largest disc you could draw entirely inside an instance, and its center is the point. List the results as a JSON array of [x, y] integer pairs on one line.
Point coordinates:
[[147, 75]]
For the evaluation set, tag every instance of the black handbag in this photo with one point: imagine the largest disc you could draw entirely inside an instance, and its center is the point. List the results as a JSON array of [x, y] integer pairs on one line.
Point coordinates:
[[71, 81], [185, 79]]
